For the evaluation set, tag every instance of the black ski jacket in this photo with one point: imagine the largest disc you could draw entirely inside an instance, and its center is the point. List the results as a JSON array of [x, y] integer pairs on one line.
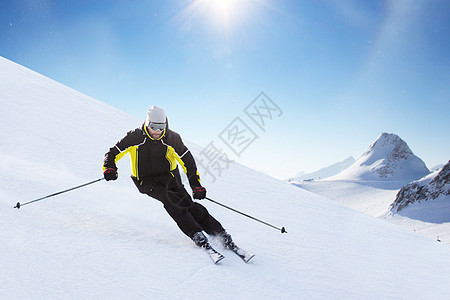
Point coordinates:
[[153, 158]]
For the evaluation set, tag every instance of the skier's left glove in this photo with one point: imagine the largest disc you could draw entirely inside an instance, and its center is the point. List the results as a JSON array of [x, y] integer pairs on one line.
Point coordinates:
[[110, 174], [199, 192]]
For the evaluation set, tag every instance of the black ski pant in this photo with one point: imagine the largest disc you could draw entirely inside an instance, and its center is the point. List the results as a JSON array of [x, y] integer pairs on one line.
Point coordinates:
[[190, 216]]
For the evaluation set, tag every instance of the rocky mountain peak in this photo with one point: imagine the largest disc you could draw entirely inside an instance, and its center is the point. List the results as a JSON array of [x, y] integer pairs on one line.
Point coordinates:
[[392, 149]]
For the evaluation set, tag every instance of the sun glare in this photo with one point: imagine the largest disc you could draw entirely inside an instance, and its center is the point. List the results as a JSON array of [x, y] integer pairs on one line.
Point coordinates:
[[224, 11], [223, 7], [227, 14]]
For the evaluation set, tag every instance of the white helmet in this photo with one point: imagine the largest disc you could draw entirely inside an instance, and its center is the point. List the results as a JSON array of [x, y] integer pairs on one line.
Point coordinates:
[[155, 114]]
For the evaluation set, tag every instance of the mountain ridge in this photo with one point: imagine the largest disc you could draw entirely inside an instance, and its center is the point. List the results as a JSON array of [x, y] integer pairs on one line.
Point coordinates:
[[325, 172]]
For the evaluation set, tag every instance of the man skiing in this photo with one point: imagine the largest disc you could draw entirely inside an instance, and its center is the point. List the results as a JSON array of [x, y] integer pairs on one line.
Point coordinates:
[[155, 153]]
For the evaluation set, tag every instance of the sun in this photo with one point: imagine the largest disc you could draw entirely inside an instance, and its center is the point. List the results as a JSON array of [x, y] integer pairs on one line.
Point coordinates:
[[222, 7], [225, 13], [220, 16]]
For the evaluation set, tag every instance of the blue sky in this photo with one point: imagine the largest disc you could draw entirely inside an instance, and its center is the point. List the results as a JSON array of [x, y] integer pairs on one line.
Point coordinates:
[[339, 72]]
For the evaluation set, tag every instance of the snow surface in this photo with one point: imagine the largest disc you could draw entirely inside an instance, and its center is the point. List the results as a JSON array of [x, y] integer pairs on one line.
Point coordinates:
[[373, 198], [429, 219], [107, 241]]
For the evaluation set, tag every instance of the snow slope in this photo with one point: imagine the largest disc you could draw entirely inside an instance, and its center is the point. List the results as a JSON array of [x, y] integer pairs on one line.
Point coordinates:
[[107, 241], [372, 198]]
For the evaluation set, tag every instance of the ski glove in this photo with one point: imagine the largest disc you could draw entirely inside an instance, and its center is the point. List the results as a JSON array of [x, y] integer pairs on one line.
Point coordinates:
[[110, 174], [199, 192]]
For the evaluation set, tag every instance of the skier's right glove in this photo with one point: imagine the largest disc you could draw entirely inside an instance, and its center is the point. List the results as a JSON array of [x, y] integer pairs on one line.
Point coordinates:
[[199, 192], [110, 174]]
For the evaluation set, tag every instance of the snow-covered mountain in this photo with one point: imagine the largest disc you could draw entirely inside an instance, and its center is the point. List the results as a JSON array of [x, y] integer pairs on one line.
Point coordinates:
[[372, 184], [388, 159], [107, 241], [432, 187], [325, 172]]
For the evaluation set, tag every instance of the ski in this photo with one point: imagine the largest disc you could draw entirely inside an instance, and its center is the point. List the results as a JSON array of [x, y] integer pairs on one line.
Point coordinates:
[[215, 256], [243, 254]]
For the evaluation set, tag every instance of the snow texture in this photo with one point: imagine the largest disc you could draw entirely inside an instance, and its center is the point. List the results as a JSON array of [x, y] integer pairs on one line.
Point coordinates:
[[107, 241]]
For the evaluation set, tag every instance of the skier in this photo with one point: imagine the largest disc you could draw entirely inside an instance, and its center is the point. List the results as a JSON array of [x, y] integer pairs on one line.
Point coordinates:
[[155, 153]]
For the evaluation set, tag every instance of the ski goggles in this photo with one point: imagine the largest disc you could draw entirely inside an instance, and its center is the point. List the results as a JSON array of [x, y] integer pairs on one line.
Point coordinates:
[[157, 126]]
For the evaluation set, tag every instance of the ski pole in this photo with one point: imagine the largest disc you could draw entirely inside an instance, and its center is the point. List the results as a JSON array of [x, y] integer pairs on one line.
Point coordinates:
[[282, 229], [18, 205]]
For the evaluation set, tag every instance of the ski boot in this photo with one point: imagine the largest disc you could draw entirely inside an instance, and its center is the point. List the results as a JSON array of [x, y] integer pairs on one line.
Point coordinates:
[[200, 239], [227, 241]]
